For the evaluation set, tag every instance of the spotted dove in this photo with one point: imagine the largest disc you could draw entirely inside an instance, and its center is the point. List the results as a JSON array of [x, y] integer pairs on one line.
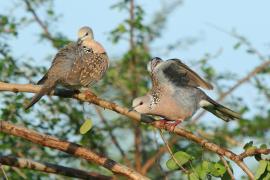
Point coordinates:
[[176, 95], [77, 65]]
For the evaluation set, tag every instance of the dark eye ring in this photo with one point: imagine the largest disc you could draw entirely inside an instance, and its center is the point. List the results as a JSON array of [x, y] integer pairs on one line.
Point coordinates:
[[86, 34], [141, 103]]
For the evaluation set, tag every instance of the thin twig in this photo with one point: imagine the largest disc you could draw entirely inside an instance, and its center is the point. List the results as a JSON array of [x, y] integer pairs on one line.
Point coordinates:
[[252, 152], [170, 151], [5, 175], [133, 70], [227, 167], [18, 171], [151, 161], [38, 20], [242, 39]]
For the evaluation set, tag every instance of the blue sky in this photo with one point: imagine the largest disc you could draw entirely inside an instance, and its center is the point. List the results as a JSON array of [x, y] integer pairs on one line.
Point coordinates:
[[249, 18]]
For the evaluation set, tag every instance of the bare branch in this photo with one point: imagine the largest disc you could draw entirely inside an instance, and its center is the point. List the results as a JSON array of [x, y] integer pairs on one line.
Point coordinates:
[[227, 167], [50, 168], [242, 39], [252, 152], [38, 20], [171, 153], [5, 175], [70, 148]]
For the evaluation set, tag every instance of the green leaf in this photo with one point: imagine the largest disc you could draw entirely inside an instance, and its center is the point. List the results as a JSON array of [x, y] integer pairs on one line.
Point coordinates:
[[261, 169], [263, 146], [248, 145], [268, 166], [217, 169], [86, 126], [267, 177], [205, 165], [181, 157], [202, 171], [237, 45]]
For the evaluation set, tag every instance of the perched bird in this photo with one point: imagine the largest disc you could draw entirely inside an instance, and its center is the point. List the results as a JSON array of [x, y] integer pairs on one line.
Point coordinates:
[[176, 95], [78, 64]]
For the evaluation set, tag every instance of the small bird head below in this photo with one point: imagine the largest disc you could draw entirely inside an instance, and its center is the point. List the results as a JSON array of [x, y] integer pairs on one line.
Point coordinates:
[[141, 104], [85, 33], [153, 63]]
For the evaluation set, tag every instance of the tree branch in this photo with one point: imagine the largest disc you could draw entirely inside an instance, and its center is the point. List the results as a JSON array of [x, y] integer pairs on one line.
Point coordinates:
[[50, 168], [227, 167], [38, 20], [91, 98], [70, 148], [252, 152]]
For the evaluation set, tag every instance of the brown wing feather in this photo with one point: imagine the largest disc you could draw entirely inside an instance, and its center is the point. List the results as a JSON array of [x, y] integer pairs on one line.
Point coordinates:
[[182, 75]]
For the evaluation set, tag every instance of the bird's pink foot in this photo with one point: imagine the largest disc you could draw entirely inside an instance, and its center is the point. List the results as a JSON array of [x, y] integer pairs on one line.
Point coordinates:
[[89, 93], [170, 124]]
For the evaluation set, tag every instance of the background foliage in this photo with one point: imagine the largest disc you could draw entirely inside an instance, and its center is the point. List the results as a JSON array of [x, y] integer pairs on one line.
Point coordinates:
[[129, 143]]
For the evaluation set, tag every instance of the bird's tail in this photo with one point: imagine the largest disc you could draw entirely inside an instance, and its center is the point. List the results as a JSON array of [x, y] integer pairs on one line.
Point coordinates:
[[46, 89], [217, 109]]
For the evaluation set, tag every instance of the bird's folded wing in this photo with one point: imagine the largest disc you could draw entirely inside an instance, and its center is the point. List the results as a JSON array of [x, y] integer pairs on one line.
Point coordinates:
[[181, 75]]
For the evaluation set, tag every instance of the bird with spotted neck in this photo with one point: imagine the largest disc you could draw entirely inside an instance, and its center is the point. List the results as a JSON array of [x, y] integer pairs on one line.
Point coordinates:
[[176, 95], [77, 65]]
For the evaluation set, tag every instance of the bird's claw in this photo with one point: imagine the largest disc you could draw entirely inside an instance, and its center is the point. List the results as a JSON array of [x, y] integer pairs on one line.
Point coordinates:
[[170, 125], [89, 93]]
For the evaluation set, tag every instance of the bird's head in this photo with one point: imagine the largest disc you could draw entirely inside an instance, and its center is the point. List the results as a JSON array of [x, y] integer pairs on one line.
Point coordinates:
[[85, 33], [141, 104], [153, 64]]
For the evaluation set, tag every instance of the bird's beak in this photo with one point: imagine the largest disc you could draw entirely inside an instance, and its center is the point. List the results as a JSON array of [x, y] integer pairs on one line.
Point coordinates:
[[79, 41], [133, 107]]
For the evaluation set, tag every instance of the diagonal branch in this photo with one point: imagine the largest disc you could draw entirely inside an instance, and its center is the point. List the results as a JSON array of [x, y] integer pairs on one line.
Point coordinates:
[[91, 98], [38, 20], [50, 168], [70, 148], [252, 152], [227, 167]]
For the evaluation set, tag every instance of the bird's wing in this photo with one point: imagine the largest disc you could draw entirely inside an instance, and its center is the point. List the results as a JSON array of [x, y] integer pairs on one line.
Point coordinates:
[[67, 53], [181, 75]]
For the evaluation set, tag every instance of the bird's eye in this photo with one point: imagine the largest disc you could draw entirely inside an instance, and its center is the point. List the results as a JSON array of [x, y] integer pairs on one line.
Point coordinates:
[[86, 34], [141, 103]]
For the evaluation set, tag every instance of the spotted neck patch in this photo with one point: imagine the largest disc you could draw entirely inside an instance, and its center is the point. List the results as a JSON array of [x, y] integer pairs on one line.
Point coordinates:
[[155, 98], [87, 50]]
